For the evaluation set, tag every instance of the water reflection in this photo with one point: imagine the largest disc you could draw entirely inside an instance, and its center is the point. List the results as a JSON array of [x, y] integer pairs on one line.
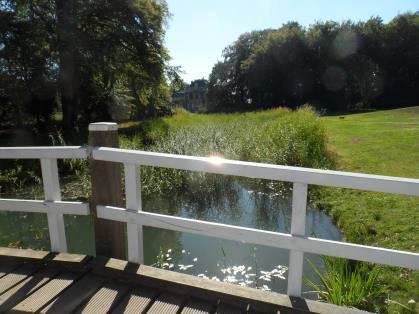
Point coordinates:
[[243, 202], [230, 202]]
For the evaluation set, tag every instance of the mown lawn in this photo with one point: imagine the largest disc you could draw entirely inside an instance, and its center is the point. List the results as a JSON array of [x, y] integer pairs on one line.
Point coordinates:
[[385, 143]]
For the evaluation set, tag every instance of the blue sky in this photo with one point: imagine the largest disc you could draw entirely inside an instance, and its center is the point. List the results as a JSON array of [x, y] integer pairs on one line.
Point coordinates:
[[199, 30]]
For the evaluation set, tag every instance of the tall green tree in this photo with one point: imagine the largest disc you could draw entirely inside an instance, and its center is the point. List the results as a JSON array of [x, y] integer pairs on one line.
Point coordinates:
[[334, 66], [27, 72], [96, 57]]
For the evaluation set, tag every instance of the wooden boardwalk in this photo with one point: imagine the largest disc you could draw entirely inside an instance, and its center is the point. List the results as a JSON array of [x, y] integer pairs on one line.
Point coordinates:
[[43, 282]]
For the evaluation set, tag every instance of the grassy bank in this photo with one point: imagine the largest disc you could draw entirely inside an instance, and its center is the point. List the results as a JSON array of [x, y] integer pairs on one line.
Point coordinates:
[[386, 143]]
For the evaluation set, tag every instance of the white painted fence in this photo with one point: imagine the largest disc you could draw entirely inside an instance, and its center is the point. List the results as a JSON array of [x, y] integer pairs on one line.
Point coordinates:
[[296, 242], [135, 218], [52, 205]]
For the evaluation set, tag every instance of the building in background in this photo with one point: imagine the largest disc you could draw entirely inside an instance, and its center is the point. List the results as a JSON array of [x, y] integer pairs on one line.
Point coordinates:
[[193, 97]]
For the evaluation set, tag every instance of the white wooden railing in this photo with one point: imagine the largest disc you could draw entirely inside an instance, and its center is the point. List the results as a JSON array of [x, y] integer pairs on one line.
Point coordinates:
[[52, 205], [135, 218], [296, 242]]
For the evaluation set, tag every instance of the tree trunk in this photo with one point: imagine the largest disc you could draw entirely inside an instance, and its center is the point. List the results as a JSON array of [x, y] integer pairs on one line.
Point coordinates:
[[139, 106], [69, 68]]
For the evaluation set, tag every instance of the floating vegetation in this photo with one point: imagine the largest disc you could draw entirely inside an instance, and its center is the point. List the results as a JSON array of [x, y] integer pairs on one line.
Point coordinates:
[[241, 275]]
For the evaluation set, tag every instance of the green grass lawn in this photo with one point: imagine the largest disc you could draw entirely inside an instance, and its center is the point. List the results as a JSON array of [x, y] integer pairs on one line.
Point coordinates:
[[385, 143]]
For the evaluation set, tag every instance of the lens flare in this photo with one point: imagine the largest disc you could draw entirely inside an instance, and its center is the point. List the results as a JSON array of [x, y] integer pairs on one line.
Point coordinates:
[[216, 160], [345, 44]]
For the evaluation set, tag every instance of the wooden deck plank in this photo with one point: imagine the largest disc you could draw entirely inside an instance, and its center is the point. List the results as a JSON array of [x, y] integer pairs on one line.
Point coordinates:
[[71, 298], [16, 276], [19, 292], [177, 292], [46, 293], [105, 299], [195, 306], [20, 255], [167, 303], [137, 301]]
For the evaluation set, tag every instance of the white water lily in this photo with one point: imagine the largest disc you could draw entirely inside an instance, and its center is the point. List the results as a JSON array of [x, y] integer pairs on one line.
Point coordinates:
[[238, 269], [230, 279], [279, 276], [282, 267], [236, 274], [266, 288], [265, 278], [185, 267]]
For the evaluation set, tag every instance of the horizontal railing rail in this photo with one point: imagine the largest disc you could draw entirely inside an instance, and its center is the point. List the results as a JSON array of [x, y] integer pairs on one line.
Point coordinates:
[[54, 152], [262, 237], [296, 241], [52, 205], [38, 206], [340, 179]]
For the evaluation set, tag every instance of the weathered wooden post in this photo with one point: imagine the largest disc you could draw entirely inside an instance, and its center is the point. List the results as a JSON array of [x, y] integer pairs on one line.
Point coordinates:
[[106, 182]]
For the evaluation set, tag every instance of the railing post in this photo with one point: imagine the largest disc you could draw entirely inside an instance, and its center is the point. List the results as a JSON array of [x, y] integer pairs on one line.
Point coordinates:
[[298, 227], [52, 192], [133, 203], [106, 190]]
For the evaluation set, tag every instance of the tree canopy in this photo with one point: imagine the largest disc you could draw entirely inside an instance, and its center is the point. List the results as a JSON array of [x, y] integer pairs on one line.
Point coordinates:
[[334, 66], [86, 58]]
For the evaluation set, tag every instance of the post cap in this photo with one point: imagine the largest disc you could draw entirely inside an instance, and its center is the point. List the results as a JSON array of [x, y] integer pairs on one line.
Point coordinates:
[[103, 126]]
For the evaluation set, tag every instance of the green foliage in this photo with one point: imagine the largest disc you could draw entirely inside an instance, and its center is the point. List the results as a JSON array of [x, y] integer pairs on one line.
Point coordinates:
[[16, 178], [348, 283], [291, 138], [334, 66], [97, 59], [163, 259]]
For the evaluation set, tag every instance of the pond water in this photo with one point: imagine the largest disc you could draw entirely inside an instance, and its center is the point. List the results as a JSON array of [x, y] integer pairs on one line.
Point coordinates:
[[193, 254], [236, 206]]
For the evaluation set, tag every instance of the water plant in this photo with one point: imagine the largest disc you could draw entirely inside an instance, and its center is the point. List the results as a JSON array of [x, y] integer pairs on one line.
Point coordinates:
[[279, 136], [242, 275], [348, 283]]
